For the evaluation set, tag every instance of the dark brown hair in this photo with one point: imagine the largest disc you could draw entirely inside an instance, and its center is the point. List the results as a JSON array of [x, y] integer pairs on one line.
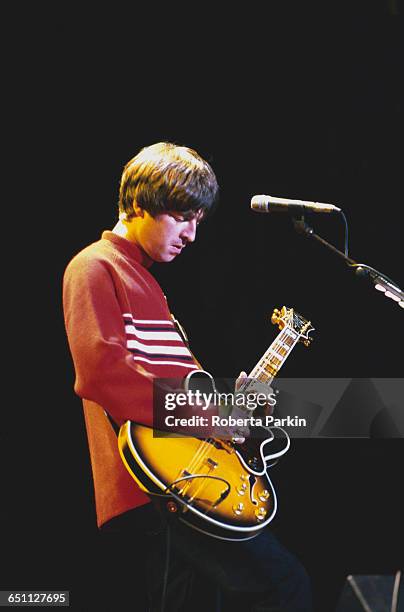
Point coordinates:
[[167, 177]]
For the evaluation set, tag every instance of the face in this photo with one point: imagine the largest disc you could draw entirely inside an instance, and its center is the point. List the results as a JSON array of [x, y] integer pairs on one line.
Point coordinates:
[[165, 236]]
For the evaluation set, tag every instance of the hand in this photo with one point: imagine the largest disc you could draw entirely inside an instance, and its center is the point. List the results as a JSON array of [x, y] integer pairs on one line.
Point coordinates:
[[260, 396], [235, 433], [240, 439]]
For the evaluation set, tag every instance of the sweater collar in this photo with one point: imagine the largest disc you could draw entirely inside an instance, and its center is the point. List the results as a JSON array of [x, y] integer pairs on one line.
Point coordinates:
[[128, 248]]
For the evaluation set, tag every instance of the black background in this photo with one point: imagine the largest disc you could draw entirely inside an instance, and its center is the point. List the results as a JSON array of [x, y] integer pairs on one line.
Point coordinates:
[[301, 103]]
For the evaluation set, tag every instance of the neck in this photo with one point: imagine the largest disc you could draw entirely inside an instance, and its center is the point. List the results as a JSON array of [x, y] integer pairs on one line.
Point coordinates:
[[122, 229], [272, 361]]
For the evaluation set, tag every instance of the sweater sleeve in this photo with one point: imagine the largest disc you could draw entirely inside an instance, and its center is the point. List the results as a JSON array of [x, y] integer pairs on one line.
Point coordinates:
[[105, 370]]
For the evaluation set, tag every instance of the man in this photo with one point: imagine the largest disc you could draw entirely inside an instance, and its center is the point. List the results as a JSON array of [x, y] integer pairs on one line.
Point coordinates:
[[121, 335]]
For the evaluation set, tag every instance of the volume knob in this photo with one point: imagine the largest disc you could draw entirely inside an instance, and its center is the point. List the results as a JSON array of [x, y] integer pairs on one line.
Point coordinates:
[[264, 495], [242, 488], [238, 508], [260, 513]]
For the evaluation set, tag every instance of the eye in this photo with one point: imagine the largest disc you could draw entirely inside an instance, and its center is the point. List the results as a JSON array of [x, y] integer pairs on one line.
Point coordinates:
[[178, 218], [184, 218]]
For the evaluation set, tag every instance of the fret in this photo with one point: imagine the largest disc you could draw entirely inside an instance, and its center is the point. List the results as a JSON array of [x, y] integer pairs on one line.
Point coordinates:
[[276, 354], [272, 361], [265, 375], [293, 327], [268, 370]]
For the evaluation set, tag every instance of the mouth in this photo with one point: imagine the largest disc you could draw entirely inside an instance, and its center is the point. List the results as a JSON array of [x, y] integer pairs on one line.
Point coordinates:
[[178, 247]]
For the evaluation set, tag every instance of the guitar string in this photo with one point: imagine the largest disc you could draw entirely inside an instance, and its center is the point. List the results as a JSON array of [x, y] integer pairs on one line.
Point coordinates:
[[197, 456], [200, 455], [277, 344], [267, 358], [206, 446], [202, 484], [196, 463]]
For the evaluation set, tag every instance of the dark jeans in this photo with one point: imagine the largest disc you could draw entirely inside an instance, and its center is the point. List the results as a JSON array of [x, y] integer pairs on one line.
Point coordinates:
[[208, 574]]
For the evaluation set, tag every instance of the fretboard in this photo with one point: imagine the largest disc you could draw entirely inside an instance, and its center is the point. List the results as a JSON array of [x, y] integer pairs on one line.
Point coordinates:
[[274, 358]]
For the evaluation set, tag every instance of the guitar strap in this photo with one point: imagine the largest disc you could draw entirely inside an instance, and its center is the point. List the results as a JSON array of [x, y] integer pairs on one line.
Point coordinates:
[[157, 503], [115, 427], [184, 337]]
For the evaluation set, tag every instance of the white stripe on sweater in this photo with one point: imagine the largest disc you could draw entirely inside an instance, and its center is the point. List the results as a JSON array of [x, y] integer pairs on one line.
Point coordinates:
[[153, 335], [165, 350], [191, 366], [148, 321]]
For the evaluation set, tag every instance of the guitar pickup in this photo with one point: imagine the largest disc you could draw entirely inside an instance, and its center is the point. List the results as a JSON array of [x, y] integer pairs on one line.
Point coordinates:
[[213, 464]]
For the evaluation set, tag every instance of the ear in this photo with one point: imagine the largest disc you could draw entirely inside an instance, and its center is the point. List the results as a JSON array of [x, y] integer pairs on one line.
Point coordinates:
[[138, 210]]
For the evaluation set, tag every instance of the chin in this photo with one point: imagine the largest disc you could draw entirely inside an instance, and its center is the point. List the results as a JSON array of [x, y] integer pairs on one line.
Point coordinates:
[[166, 258]]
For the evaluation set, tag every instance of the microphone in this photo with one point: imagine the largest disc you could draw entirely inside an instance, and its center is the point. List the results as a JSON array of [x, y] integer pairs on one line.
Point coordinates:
[[267, 204]]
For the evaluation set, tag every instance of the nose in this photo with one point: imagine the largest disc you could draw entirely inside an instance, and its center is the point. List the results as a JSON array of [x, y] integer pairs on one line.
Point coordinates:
[[188, 231]]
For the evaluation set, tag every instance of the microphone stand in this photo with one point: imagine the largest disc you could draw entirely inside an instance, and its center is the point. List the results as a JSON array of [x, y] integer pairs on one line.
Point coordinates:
[[380, 281]]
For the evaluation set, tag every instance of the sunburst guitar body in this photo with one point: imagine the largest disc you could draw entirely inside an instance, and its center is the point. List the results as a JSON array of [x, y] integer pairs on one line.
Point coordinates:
[[217, 486]]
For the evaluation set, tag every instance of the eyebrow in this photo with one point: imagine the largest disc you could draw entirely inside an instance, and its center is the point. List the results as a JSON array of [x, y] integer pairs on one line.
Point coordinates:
[[188, 215]]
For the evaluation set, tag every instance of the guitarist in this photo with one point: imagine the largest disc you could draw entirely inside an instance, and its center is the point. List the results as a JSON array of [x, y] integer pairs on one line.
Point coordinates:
[[121, 335]]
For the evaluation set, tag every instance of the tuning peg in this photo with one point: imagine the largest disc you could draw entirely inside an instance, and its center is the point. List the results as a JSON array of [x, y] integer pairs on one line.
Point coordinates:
[[275, 316]]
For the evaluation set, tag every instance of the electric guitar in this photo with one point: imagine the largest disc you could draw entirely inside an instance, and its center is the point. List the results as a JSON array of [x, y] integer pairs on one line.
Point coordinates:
[[214, 485]]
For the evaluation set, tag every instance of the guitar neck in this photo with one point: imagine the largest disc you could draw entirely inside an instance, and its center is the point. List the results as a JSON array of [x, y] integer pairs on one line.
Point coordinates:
[[274, 358]]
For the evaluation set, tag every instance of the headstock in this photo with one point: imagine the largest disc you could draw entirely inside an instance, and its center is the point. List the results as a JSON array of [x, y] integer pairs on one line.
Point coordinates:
[[288, 317]]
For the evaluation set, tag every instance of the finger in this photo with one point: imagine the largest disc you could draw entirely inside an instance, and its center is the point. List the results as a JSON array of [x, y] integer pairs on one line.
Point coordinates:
[[240, 378], [238, 440]]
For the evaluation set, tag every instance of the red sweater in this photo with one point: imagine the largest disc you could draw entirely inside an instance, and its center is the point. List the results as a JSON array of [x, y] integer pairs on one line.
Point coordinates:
[[121, 335]]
